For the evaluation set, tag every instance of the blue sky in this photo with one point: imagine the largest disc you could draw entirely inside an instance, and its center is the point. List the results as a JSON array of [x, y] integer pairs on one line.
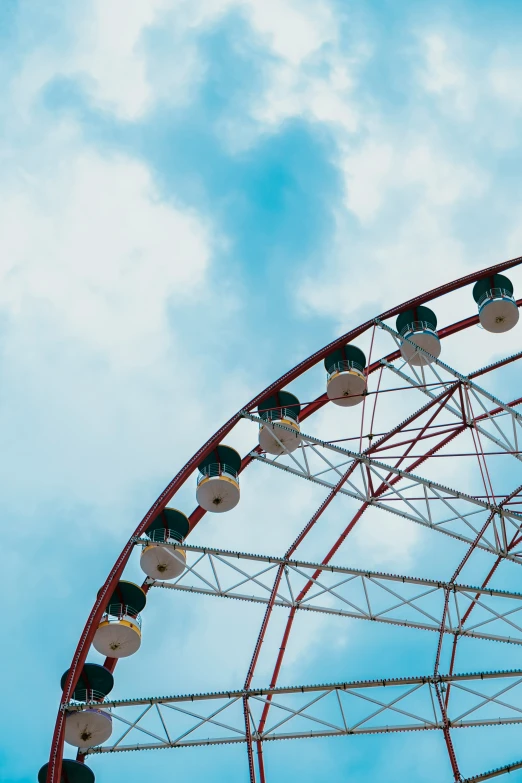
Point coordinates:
[[196, 194]]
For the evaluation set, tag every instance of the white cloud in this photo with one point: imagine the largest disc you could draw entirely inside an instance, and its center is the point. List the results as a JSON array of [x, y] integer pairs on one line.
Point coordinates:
[[295, 29], [400, 263], [292, 30], [442, 70], [504, 76], [382, 166], [367, 173], [301, 92], [306, 71], [93, 265], [93, 241], [108, 51], [472, 83], [104, 52], [446, 73]]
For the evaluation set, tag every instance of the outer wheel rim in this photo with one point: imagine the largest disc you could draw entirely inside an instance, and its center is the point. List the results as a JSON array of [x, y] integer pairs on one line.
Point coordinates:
[[54, 769]]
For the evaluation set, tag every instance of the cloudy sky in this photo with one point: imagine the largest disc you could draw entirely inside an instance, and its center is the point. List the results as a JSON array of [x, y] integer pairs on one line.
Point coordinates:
[[195, 195]]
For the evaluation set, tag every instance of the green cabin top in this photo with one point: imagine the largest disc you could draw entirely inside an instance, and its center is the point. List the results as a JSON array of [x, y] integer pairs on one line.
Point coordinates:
[[493, 281], [272, 406], [170, 519], [222, 455], [348, 353], [128, 594], [72, 772], [420, 313], [94, 677]]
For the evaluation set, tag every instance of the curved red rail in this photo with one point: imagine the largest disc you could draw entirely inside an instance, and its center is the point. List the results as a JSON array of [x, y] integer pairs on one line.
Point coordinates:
[[80, 654]]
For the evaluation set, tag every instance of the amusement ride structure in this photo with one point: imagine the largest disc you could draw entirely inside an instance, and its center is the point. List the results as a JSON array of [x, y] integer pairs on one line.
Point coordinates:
[[385, 462]]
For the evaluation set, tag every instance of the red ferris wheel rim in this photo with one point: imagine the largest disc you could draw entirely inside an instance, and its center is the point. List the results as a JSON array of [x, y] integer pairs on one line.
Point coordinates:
[[84, 644]]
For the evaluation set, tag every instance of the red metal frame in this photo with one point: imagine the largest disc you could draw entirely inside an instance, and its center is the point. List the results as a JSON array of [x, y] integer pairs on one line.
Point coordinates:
[[80, 654], [451, 434], [439, 402]]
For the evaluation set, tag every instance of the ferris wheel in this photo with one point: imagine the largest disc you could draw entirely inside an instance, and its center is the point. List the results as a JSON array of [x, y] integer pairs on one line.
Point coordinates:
[[408, 425]]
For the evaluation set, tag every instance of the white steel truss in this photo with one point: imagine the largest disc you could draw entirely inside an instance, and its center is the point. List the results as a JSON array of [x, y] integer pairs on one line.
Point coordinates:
[[349, 592], [421, 500], [503, 425], [454, 373], [493, 773], [302, 712], [505, 435]]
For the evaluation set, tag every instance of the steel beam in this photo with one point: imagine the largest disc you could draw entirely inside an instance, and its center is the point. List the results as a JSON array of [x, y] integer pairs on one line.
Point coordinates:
[[345, 708], [352, 593]]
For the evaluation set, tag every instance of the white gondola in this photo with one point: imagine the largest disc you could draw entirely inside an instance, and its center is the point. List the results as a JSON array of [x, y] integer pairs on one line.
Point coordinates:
[[346, 384], [417, 328], [119, 633], [218, 480], [163, 558], [275, 440], [283, 409], [420, 336], [163, 561], [218, 490], [93, 725], [498, 311], [87, 728]]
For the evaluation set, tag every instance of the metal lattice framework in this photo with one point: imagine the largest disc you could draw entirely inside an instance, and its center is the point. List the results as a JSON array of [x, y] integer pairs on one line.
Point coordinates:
[[305, 711], [348, 592], [394, 471]]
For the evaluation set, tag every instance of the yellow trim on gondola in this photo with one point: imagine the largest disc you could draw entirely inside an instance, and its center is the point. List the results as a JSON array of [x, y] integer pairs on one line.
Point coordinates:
[[166, 545], [221, 477], [286, 422], [347, 372], [127, 623]]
